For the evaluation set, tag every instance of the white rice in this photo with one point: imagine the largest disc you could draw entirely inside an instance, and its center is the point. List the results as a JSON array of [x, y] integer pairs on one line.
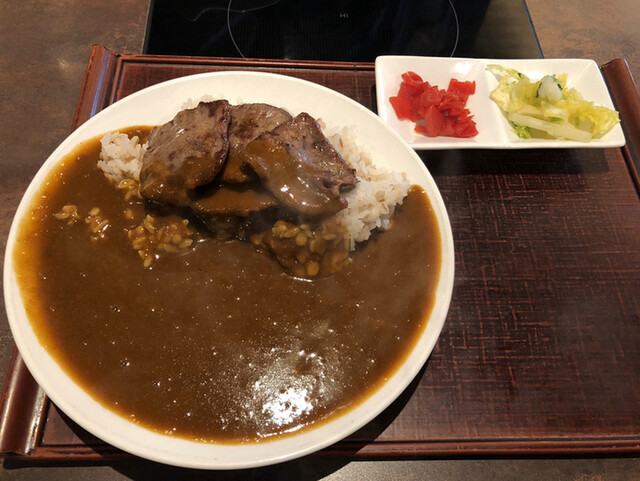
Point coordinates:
[[370, 205], [121, 156], [192, 104]]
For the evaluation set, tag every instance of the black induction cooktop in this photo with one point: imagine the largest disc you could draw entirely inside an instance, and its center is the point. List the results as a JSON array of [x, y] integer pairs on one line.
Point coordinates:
[[342, 30]]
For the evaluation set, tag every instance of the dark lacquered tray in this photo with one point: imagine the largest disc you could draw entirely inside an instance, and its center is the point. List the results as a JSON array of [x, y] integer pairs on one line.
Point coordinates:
[[541, 349]]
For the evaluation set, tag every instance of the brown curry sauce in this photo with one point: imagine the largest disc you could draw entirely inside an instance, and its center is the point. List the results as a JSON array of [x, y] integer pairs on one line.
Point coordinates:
[[217, 343]]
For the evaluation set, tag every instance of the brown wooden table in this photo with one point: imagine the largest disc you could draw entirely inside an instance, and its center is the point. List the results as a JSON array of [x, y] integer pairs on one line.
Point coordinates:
[[541, 349]]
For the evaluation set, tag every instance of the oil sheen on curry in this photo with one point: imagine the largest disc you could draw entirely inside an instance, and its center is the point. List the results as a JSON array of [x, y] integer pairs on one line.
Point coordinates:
[[225, 324]]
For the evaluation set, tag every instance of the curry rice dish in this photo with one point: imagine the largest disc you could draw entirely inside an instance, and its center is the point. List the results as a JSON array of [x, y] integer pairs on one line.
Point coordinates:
[[202, 328]]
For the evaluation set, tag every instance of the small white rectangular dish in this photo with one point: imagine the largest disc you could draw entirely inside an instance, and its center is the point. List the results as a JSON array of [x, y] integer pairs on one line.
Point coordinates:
[[494, 131]]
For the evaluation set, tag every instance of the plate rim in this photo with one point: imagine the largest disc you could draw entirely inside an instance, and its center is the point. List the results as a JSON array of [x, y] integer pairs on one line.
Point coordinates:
[[14, 303]]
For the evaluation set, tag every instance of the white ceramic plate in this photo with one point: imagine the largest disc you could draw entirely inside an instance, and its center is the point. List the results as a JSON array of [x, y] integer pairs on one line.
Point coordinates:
[[156, 105], [494, 131]]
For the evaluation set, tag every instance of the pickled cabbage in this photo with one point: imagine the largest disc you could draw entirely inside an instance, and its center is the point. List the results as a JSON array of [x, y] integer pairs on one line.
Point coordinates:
[[548, 106]]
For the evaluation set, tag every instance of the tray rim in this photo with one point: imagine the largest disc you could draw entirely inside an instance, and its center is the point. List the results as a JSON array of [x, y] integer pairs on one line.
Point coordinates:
[[99, 85]]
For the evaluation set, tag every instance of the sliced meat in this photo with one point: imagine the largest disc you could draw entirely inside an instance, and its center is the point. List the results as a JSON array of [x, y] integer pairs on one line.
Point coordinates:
[[235, 211], [187, 152], [248, 121], [301, 168], [239, 200]]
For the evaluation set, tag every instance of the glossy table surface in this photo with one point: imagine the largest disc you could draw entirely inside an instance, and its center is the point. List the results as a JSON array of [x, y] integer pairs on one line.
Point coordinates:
[[40, 83]]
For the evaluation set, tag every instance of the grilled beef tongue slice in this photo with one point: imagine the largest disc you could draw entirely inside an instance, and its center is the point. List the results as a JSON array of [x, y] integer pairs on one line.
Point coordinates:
[[248, 121], [301, 168], [239, 200], [187, 152]]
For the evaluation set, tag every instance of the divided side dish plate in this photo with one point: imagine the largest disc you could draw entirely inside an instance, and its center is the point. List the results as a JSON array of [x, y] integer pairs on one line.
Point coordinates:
[[157, 105], [494, 131]]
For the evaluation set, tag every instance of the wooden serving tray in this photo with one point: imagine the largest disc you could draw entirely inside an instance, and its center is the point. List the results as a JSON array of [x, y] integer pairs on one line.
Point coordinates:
[[541, 349]]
